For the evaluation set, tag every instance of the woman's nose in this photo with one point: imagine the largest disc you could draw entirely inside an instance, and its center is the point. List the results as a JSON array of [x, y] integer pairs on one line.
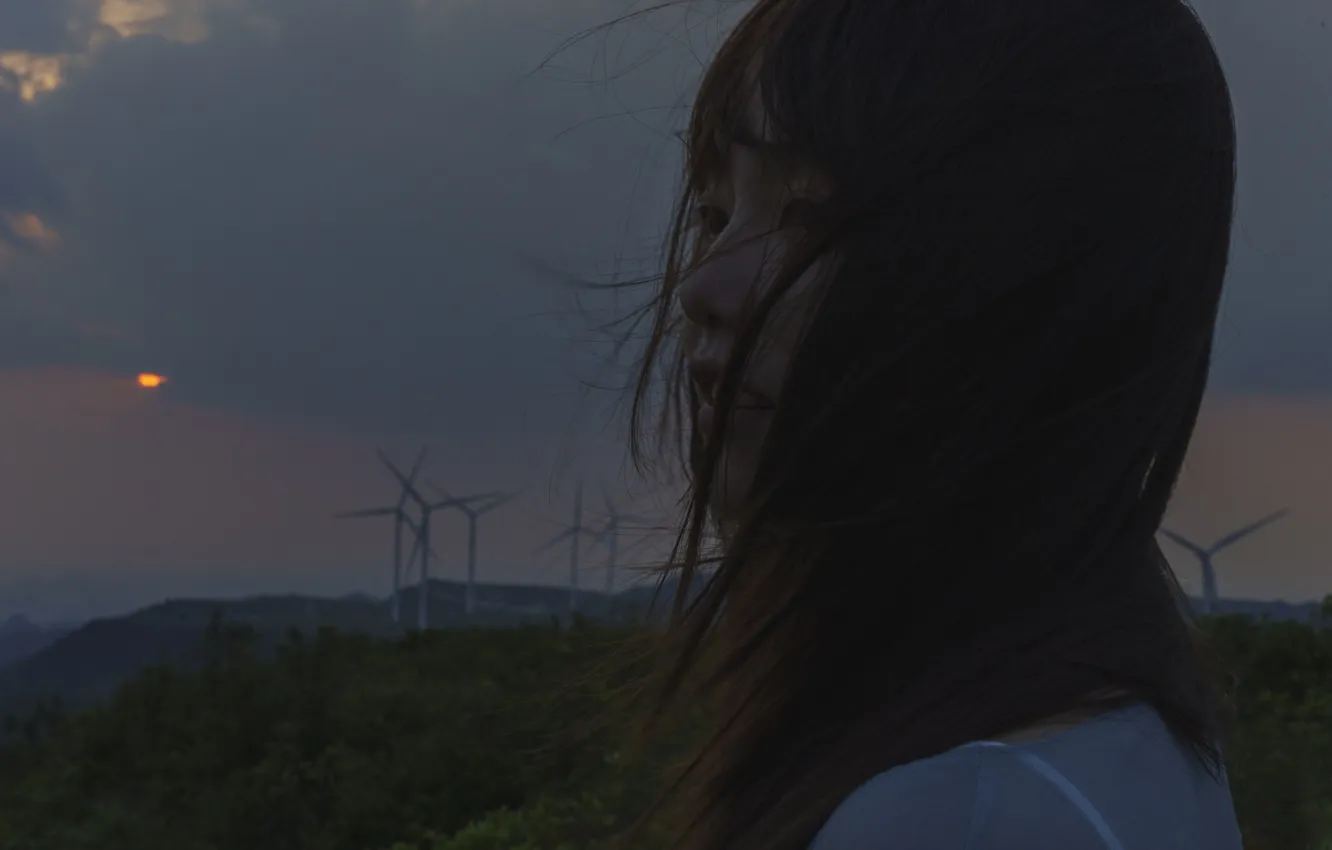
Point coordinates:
[[713, 294]]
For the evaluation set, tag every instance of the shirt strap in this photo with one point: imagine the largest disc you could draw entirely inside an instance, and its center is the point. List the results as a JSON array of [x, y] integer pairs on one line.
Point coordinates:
[[1067, 788]]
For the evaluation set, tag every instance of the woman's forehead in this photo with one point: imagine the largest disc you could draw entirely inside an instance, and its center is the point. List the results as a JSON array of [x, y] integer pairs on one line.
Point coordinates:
[[743, 129]]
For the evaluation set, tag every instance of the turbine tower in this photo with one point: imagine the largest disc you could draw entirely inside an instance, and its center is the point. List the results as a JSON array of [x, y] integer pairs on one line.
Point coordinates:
[[573, 534], [609, 533], [400, 519], [1206, 554], [422, 545], [416, 547], [473, 515]]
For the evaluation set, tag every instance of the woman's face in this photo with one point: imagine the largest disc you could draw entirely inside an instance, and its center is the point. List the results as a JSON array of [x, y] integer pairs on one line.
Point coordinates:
[[746, 221]]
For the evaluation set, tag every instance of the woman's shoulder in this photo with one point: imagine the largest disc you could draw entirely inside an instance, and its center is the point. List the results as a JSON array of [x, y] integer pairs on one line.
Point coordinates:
[[1119, 780]]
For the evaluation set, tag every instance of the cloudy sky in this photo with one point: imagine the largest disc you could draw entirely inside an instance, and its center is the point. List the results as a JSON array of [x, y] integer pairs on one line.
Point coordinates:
[[337, 225]]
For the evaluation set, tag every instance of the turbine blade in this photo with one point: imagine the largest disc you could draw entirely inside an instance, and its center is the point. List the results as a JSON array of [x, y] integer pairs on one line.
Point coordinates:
[[440, 491], [416, 550], [499, 501], [416, 544], [1185, 542], [384, 459], [464, 503], [1240, 534], [446, 499], [557, 539], [634, 544], [420, 459], [407, 487], [411, 476]]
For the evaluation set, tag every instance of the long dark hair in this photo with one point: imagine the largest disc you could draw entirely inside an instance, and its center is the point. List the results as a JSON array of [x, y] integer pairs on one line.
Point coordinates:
[[951, 532]]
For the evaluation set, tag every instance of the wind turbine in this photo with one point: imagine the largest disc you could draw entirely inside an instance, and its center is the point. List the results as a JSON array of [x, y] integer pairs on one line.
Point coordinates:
[[1205, 554], [573, 533], [610, 535], [417, 551], [400, 519], [423, 533], [473, 514]]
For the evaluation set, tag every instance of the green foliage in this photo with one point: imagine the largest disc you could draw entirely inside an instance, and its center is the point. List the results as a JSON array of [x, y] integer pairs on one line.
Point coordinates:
[[572, 822], [338, 742], [1280, 752], [472, 740]]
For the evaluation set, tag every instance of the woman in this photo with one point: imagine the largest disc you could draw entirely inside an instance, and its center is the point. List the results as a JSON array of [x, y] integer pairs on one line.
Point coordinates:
[[936, 317]]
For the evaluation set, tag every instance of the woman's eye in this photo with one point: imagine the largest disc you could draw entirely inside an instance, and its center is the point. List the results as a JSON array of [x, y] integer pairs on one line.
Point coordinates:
[[798, 212], [710, 220]]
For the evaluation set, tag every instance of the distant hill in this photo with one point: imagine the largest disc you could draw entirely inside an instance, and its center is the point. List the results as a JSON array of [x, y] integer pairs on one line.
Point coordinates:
[[88, 663], [1272, 609], [20, 637]]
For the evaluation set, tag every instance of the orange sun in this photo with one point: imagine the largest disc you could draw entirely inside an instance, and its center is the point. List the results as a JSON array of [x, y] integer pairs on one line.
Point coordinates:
[[148, 379]]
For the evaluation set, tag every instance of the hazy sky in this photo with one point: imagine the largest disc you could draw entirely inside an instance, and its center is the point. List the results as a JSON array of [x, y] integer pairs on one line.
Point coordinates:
[[343, 224]]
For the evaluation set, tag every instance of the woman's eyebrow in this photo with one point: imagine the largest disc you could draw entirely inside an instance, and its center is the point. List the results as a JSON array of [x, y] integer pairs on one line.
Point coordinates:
[[783, 156], [747, 138]]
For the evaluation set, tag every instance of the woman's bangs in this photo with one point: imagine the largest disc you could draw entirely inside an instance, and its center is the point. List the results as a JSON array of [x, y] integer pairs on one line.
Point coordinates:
[[718, 121]]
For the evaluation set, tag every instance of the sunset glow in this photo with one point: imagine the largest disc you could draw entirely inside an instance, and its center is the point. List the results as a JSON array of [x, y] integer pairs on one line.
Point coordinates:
[[32, 229], [32, 74], [149, 380], [180, 22]]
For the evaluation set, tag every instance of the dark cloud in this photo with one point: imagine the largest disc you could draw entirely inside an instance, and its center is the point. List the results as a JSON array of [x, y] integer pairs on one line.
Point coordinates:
[[1274, 330], [52, 26], [25, 181], [39, 26], [327, 216], [326, 208], [26, 186]]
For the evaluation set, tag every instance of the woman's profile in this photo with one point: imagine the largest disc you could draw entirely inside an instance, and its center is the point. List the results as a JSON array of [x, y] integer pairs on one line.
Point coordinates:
[[936, 322]]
